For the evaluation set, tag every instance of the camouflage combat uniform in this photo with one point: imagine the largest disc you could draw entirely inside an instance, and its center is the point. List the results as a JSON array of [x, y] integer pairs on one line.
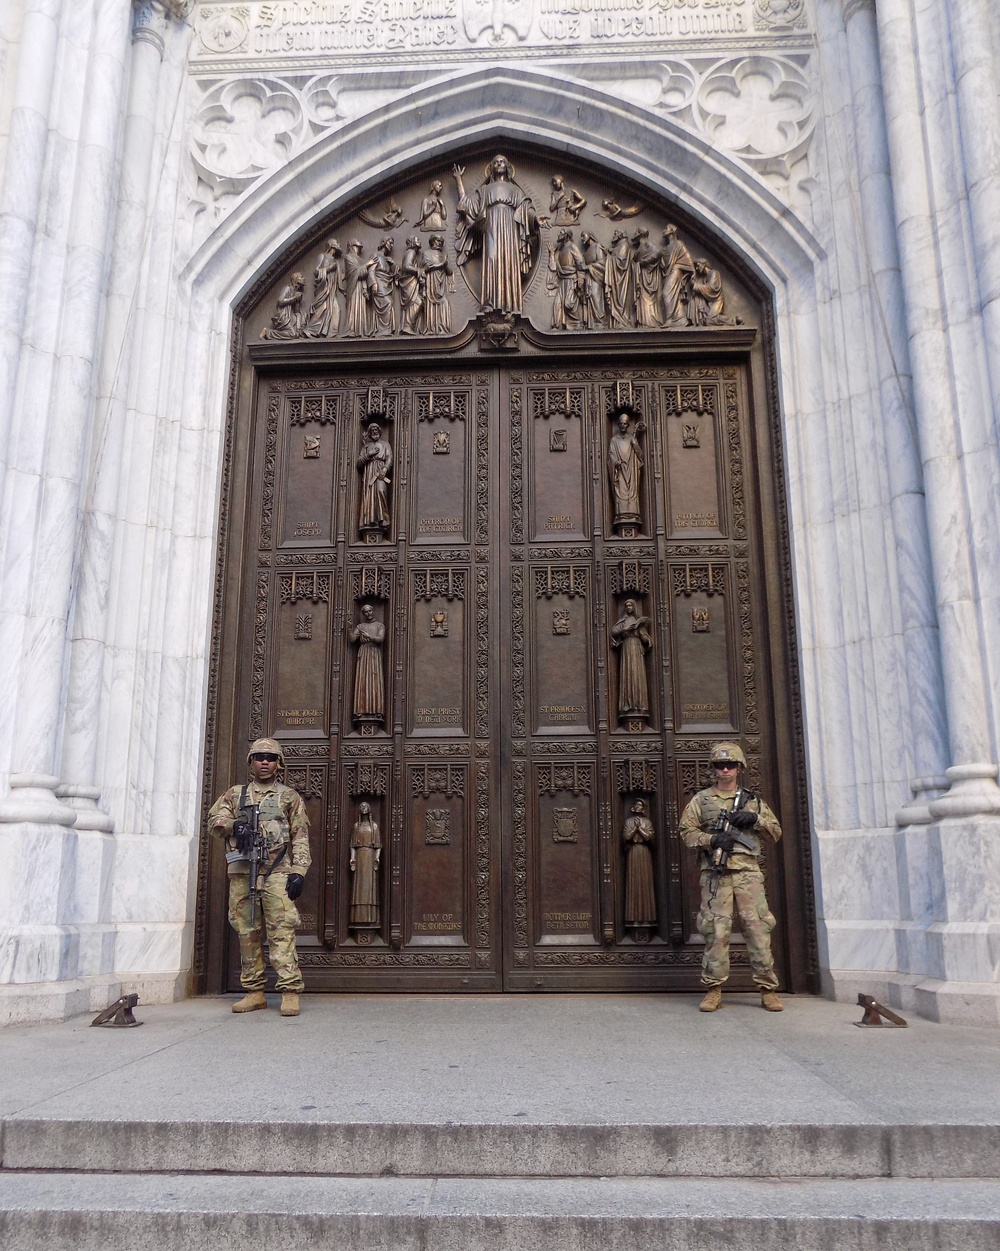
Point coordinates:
[[742, 881], [286, 826]]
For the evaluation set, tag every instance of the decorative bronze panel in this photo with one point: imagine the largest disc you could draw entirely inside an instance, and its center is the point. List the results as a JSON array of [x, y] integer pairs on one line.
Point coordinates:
[[500, 574]]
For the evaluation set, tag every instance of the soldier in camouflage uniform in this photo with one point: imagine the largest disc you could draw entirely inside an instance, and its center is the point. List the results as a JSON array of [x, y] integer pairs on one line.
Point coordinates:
[[741, 880], [286, 827]]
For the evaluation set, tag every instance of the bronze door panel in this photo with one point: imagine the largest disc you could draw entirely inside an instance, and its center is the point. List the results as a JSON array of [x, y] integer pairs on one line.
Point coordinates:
[[498, 615]]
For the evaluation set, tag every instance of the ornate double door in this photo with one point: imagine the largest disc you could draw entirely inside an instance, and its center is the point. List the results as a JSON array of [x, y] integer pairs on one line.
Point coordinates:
[[497, 614]]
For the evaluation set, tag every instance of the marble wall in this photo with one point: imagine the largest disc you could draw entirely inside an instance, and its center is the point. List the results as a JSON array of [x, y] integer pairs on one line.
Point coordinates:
[[155, 159]]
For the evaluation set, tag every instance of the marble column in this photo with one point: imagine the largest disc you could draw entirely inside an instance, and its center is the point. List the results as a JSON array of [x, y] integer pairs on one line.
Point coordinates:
[[101, 514], [932, 176], [54, 882]]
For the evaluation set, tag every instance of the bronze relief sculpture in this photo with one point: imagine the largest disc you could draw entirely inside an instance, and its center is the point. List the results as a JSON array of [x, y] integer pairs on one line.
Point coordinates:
[[631, 638], [497, 221], [625, 464], [366, 856], [640, 894], [369, 678], [374, 464], [323, 318], [630, 281]]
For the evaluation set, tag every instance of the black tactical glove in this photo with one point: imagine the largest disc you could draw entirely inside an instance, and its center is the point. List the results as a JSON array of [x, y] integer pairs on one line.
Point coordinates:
[[744, 819], [723, 840], [242, 837], [294, 885]]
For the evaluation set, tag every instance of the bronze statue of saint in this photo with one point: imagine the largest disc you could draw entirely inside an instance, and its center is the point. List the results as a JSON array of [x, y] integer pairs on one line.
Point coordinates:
[[438, 281], [567, 276], [565, 206], [356, 269], [288, 322], [366, 857], [411, 284], [374, 463], [595, 258], [677, 266], [381, 281], [640, 895], [648, 280], [433, 210], [497, 220], [625, 471], [369, 682], [323, 318], [631, 639], [708, 305], [618, 284]]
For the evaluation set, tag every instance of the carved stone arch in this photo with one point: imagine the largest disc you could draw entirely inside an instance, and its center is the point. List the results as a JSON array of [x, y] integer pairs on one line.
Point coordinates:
[[511, 104]]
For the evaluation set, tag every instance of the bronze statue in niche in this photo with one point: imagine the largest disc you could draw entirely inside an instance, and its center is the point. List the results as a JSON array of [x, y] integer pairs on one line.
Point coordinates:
[[498, 221], [366, 856], [369, 679], [374, 464], [640, 895], [631, 638], [625, 472]]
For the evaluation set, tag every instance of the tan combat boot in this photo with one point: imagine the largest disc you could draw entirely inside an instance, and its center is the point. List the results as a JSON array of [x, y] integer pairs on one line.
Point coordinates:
[[712, 1001], [290, 1003], [770, 1002], [250, 1002]]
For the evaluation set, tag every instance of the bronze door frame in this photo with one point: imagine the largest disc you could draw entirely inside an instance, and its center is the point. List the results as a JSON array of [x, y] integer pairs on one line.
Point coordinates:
[[781, 737]]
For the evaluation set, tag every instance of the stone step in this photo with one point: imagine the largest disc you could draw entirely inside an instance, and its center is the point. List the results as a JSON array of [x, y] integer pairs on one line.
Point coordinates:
[[521, 1149], [157, 1212]]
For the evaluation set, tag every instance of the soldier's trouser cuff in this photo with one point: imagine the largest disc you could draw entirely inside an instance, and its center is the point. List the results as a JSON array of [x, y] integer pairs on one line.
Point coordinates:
[[706, 983]]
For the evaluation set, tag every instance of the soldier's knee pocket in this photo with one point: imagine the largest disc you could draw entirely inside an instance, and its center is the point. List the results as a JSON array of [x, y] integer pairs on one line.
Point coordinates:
[[765, 915]]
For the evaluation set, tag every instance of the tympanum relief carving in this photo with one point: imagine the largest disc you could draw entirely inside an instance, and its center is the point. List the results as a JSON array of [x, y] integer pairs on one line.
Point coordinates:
[[496, 243]]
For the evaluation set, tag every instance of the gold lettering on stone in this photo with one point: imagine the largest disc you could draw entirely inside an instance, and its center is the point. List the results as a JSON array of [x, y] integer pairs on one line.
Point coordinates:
[[307, 530], [560, 521], [696, 521]]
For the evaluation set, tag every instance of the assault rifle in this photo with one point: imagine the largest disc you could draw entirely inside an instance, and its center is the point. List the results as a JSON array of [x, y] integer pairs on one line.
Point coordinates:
[[750, 842], [256, 853]]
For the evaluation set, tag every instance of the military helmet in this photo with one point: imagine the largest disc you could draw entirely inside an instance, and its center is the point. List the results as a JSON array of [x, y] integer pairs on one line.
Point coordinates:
[[728, 753], [270, 746]]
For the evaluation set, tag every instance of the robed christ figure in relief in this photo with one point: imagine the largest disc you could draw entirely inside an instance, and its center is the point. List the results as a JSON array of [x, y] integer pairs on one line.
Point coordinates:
[[498, 221]]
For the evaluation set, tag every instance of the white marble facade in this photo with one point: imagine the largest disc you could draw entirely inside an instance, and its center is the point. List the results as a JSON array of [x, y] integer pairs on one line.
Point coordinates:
[[155, 157]]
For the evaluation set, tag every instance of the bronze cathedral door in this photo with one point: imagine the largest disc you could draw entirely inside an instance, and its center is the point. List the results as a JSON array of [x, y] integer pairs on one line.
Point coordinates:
[[497, 595]]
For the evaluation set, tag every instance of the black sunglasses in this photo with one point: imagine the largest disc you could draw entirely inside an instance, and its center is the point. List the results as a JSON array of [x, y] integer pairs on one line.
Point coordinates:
[[724, 764], [265, 755]]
